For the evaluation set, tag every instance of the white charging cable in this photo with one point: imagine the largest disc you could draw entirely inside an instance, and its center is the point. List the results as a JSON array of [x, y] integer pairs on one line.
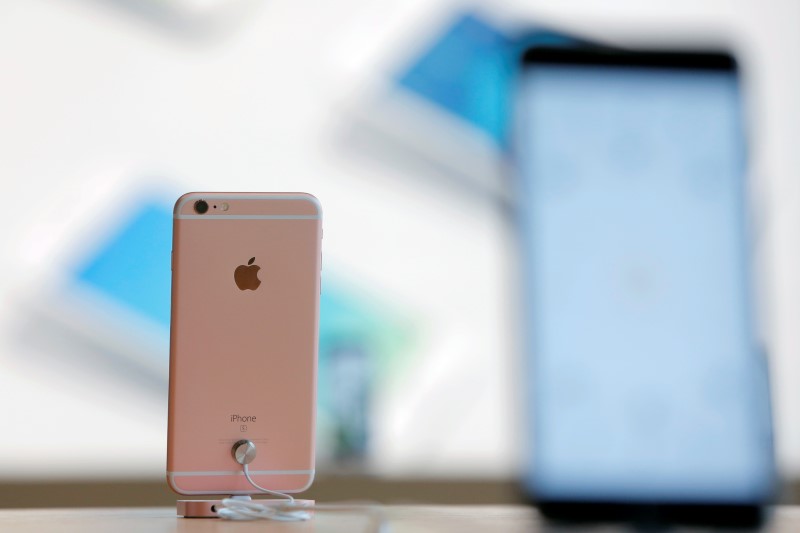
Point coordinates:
[[245, 508]]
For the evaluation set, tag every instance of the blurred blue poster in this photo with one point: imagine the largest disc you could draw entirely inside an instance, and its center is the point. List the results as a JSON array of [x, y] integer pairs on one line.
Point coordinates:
[[466, 72], [448, 106]]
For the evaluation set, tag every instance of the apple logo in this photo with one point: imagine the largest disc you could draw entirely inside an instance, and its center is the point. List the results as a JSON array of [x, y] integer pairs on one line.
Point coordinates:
[[246, 276]]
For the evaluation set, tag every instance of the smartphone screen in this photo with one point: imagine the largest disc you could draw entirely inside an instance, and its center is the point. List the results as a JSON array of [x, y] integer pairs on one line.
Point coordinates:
[[644, 371]]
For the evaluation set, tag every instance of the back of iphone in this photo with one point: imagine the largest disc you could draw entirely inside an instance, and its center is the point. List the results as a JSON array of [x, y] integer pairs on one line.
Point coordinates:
[[244, 334]]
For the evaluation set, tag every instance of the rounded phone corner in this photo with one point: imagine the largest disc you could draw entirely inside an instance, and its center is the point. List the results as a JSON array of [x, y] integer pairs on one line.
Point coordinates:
[[179, 203], [175, 488], [308, 197], [308, 484]]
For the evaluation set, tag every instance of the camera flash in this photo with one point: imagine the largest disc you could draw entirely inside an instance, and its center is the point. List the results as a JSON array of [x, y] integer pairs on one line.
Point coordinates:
[[225, 206]]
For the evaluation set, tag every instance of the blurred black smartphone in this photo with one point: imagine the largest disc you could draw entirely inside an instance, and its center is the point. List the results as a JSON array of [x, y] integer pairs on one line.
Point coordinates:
[[647, 390]]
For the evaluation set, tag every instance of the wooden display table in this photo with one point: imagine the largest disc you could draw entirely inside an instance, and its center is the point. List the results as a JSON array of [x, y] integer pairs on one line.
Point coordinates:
[[446, 519]]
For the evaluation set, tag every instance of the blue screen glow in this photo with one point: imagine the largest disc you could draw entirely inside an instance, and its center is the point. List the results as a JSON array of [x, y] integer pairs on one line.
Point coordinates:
[[646, 381]]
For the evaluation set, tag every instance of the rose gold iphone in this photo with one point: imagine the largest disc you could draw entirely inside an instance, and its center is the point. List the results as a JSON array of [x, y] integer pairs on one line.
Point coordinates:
[[243, 347]]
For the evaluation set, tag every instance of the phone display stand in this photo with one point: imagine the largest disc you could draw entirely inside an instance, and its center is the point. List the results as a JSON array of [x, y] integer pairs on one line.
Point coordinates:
[[208, 508]]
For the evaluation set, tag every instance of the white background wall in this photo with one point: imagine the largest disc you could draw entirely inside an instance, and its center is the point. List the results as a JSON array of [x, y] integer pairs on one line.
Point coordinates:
[[94, 98]]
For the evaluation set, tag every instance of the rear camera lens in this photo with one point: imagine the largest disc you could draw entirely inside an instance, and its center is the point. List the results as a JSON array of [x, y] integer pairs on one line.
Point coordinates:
[[201, 206]]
